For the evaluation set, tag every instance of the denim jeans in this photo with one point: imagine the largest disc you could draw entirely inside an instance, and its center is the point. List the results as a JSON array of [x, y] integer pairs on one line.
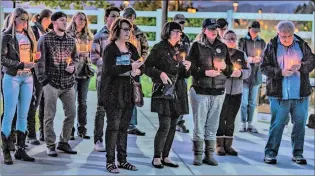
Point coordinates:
[[249, 99], [17, 93], [82, 88], [280, 110], [206, 114], [134, 120], [99, 118]]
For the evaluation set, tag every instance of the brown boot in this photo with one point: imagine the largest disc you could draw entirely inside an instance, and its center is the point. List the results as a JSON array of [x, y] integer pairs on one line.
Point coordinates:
[[228, 147], [20, 153], [6, 149], [220, 146]]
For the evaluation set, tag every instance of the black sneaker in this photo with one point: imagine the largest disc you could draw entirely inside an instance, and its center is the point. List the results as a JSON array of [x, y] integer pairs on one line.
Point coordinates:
[[299, 160], [83, 135], [136, 131], [65, 147], [181, 127]]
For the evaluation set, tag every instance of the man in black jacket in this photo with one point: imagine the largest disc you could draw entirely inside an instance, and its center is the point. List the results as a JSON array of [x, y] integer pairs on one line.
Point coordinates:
[[287, 62]]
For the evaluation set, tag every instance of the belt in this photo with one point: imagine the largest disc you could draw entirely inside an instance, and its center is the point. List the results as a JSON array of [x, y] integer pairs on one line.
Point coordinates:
[[24, 73]]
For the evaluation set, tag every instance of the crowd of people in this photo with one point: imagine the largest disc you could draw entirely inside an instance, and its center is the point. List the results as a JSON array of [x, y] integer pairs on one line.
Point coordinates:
[[52, 60]]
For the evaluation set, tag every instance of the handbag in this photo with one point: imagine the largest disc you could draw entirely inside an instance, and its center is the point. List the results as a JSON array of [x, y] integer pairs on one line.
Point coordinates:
[[88, 70], [165, 91], [137, 93]]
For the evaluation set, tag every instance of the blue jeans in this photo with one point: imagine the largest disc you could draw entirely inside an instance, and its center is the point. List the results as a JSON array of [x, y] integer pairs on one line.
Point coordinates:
[[249, 99], [280, 109], [82, 88], [17, 92], [134, 120]]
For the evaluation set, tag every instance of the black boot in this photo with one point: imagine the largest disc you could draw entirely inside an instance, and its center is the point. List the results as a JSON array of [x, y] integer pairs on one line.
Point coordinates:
[[5, 149], [12, 138], [20, 153]]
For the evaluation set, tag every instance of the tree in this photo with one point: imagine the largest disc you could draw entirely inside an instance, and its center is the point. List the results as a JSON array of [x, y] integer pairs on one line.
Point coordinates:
[[67, 4]]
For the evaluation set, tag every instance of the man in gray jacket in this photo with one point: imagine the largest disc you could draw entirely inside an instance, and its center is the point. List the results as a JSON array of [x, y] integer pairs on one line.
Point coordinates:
[[253, 46], [99, 43]]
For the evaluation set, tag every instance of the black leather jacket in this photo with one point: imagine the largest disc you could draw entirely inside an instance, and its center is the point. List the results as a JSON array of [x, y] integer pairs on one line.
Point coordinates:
[[10, 55]]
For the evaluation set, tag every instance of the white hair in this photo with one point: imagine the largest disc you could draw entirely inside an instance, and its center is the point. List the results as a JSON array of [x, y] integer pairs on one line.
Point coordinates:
[[286, 26]]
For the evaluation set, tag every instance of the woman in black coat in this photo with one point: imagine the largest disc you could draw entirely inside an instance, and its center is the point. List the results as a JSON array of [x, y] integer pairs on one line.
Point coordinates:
[[166, 68]]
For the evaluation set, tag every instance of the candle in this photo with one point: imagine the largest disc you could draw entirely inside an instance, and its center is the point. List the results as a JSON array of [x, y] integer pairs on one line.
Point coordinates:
[[68, 61], [258, 53], [36, 56], [183, 55]]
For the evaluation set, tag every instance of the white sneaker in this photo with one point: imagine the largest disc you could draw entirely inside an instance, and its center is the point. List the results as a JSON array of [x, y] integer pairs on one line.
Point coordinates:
[[243, 128], [99, 147]]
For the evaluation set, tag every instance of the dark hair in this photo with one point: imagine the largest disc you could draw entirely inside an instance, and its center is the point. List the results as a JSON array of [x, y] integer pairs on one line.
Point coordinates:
[[167, 29], [116, 26], [55, 16], [222, 22], [45, 13], [109, 9], [229, 32]]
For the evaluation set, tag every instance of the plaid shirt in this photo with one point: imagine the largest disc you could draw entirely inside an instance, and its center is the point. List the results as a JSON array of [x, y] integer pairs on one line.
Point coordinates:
[[55, 51]]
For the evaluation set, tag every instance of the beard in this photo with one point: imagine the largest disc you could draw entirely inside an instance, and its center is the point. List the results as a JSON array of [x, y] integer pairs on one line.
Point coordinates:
[[61, 30]]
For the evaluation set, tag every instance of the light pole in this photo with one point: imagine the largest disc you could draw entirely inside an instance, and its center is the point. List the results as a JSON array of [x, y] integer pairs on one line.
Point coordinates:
[[164, 12]]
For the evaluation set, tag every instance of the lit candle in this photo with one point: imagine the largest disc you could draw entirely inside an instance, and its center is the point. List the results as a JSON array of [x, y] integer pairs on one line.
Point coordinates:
[[291, 63], [68, 61], [258, 53], [183, 55]]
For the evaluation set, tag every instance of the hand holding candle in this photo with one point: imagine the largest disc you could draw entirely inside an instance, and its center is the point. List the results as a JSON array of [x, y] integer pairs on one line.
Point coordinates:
[[68, 61]]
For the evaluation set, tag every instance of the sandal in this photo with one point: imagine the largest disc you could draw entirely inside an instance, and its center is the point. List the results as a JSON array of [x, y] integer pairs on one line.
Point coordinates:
[[128, 166], [112, 168]]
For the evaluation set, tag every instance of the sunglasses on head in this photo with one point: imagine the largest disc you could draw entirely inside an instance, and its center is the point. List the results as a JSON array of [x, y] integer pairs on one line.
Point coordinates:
[[182, 22]]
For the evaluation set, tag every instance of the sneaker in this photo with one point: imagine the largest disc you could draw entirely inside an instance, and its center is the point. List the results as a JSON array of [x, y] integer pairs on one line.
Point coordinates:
[[270, 160], [33, 141], [65, 147], [251, 128], [136, 132], [99, 147], [181, 127], [299, 159], [51, 151], [243, 128]]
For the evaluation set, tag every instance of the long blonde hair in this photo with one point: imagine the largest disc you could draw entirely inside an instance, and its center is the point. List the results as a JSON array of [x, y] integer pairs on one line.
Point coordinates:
[[11, 26], [86, 31]]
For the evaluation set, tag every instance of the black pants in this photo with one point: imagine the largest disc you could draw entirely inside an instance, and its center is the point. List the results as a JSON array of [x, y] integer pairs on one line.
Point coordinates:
[[118, 120], [165, 135], [99, 118], [228, 114], [37, 100]]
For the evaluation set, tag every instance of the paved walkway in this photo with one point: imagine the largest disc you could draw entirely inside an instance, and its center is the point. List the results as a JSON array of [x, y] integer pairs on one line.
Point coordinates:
[[140, 153]]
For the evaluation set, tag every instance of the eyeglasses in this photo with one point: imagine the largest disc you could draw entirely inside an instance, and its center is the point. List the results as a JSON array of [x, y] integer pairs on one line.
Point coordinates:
[[285, 37], [182, 22], [126, 29], [177, 31], [230, 39]]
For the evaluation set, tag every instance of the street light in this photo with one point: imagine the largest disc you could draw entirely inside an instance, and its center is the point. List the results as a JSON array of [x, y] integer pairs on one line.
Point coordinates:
[[235, 5]]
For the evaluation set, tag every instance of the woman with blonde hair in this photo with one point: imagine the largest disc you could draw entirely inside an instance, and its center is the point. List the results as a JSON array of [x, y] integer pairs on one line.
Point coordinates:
[[79, 30], [18, 45]]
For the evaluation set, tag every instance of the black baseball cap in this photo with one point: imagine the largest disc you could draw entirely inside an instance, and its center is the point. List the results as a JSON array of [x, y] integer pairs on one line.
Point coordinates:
[[209, 23], [254, 25]]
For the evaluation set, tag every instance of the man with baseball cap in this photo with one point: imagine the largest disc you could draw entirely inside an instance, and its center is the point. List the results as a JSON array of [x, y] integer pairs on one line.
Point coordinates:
[[253, 46], [184, 47], [56, 72]]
